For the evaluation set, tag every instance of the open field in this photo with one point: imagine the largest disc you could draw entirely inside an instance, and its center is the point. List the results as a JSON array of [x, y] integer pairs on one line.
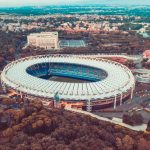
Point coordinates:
[[66, 79]]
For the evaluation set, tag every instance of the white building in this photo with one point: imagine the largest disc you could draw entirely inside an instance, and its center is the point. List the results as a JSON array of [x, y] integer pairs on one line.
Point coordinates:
[[46, 40], [114, 82], [142, 75]]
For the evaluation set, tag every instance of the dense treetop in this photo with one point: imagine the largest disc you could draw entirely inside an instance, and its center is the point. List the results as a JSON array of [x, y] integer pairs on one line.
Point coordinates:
[[33, 127]]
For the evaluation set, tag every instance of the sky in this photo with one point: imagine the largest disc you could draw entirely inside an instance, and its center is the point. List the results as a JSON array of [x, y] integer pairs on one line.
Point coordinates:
[[9, 3]]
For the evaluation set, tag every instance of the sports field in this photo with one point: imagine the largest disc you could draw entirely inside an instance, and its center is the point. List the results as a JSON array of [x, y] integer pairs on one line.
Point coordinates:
[[67, 79], [72, 43]]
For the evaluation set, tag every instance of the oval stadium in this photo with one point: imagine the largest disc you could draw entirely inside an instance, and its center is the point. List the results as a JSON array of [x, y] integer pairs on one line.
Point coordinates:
[[70, 81]]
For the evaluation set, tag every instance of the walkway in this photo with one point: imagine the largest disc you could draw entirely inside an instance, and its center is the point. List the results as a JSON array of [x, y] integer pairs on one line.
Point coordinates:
[[129, 57], [114, 120]]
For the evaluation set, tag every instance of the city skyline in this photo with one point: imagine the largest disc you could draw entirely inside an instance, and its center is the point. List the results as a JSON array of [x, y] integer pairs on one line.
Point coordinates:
[[14, 3]]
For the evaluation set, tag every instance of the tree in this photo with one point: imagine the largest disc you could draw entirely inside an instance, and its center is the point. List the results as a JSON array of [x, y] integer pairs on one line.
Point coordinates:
[[39, 123], [127, 142], [133, 119], [143, 144], [119, 143], [36, 146], [8, 132], [148, 126]]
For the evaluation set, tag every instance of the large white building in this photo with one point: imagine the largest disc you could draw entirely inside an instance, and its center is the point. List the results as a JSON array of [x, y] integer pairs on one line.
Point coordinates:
[[108, 83], [142, 75], [46, 40]]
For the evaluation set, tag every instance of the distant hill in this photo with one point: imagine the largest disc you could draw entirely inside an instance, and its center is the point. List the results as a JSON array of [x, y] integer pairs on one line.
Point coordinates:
[[88, 9]]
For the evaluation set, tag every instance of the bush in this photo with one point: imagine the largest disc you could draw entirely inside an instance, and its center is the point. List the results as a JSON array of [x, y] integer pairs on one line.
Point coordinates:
[[133, 119], [148, 126]]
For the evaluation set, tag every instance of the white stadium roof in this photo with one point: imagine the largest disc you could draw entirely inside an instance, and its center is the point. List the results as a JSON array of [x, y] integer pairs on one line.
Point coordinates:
[[119, 79]]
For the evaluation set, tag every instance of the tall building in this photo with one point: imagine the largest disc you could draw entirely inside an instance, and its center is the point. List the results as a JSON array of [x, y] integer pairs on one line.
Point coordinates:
[[46, 40]]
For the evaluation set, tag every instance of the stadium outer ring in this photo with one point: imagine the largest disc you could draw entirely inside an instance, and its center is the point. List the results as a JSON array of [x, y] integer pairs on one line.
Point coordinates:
[[118, 85]]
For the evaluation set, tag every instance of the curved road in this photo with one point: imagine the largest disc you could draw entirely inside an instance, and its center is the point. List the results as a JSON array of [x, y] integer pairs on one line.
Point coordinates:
[[115, 120]]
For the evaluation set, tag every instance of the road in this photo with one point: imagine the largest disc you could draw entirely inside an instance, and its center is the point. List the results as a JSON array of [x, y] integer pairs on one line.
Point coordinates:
[[114, 120]]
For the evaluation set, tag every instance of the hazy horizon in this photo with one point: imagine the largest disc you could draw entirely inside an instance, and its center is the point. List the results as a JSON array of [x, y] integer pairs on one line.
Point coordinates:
[[15, 3]]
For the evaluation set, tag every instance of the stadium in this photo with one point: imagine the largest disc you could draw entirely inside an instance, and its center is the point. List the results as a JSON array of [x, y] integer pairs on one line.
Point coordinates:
[[95, 83]]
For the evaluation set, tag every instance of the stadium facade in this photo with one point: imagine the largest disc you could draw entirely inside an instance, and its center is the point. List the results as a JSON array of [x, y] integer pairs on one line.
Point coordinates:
[[108, 83]]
